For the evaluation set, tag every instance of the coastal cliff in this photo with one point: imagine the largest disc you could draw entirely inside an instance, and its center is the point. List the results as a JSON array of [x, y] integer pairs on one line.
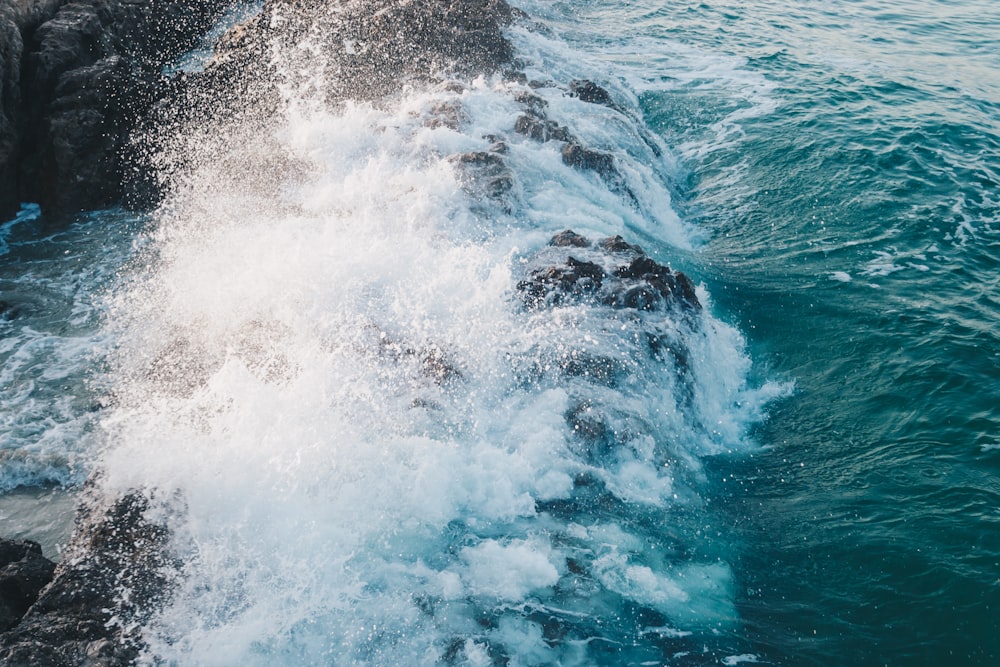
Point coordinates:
[[76, 77]]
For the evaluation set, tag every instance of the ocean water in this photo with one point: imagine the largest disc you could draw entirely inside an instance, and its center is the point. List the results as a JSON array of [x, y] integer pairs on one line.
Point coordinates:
[[315, 359]]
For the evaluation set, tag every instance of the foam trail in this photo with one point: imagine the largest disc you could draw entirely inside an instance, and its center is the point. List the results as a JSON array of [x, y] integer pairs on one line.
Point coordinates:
[[367, 448]]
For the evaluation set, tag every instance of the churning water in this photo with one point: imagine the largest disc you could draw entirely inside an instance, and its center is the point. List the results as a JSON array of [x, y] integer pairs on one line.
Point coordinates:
[[370, 450]]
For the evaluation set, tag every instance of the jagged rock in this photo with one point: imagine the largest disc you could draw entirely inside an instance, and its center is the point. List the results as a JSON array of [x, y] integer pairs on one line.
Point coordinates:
[[533, 103], [541, 129], [665, 283], [373, 46], [76, 77], [576, 155], [485, 173], [569, 239], [115, 573], [553, 283], [617, 244], [640, 284], [24, 572], [588, 91]]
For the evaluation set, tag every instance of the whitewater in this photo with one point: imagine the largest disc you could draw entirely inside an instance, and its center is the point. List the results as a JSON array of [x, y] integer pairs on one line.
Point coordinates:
[[391, 413], [367, 446]]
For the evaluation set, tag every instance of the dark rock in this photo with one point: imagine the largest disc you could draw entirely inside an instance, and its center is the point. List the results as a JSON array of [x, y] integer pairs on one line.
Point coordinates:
[[537, 84], [664, 283], [588, 91], [569, 239], [24, 572], [551, 284], [541, 129], [617, 244], [485, 173], [576, 155], [533, 103], [642, 284], [515, 76], [641, 267], [374, 46], [598, 369], [115, 574], [8, 311], [76, 77]]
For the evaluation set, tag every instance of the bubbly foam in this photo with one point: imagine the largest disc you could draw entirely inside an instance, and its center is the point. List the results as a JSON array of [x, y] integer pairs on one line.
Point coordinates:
[[357, 433]]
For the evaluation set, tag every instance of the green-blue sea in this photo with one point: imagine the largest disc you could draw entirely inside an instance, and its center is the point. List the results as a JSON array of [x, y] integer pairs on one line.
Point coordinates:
[[824, 491], [854, 205]]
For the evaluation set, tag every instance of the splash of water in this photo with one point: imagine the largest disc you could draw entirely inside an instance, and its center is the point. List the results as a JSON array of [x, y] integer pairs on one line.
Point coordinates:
[[367, 448]]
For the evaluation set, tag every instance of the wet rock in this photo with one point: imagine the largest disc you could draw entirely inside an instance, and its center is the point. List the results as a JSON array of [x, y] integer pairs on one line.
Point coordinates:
[[76, 77], [515, 76], [115, 573], [551, 284], [618, 245], [24, 572], [569, 239], [448, 114], [617, 273], [580, 157], [656, 281], [485, 173], [374, 46], [595, 368], [541, 129], [531, 102], [588, 91], [8, 311]]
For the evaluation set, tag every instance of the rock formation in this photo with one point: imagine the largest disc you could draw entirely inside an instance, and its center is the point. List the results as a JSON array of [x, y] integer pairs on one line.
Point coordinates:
[[76, 76], [110, 578]]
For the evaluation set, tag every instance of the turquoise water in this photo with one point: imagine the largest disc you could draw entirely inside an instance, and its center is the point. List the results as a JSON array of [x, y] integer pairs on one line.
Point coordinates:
[[856, 222], [835, 171]]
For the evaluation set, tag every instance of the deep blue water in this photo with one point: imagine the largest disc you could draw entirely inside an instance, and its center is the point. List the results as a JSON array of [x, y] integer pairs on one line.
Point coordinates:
[[831, 179]]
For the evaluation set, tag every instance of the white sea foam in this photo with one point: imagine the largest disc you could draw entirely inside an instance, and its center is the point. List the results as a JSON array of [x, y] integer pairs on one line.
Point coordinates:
[[358, 435]]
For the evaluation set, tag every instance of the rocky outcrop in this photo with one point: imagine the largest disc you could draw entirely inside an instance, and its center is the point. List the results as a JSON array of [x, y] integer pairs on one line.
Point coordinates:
[[650, 309], [111, 578], [24, 572], [611, 272], [76, 77]]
